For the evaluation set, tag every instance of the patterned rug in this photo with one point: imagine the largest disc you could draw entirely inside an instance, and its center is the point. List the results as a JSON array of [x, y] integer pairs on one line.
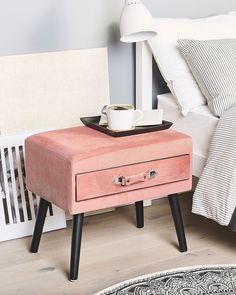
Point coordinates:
[[217, 280]]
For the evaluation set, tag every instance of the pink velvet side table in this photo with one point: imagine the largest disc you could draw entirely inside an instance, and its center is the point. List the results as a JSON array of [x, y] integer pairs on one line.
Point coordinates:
[[80, 170]]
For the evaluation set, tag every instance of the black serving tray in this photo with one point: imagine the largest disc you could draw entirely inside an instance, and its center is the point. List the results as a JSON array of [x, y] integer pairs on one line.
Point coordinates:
[[93, 122]]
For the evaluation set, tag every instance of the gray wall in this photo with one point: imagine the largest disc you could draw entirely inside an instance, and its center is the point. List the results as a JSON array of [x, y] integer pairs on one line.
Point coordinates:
[[28, 26]]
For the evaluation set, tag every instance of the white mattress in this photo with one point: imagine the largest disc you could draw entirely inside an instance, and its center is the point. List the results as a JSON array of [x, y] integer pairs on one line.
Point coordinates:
[[199, 124]]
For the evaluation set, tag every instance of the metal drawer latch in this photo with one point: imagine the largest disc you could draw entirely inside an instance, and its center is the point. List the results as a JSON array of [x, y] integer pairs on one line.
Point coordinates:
[[141, 177]]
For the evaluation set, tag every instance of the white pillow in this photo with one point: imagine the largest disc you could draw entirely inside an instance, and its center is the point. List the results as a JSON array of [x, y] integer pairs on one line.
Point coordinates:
[[171, 63], [213, 64]]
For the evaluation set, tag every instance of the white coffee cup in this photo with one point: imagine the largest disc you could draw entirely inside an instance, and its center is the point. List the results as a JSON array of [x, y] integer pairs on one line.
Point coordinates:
[[121, 117]]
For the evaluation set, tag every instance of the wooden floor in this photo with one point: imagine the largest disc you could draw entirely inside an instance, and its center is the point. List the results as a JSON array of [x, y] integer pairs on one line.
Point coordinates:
[[113, 250]]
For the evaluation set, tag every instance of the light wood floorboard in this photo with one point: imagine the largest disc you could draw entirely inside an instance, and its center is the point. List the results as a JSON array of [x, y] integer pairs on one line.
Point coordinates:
[[113, 250]]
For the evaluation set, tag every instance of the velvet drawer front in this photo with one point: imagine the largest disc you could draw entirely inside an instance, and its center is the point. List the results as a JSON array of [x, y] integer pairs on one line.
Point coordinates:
[[132, 177]]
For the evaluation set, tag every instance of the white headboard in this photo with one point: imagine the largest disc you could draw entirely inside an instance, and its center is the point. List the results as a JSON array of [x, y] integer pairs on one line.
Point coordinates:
[[52, 89]]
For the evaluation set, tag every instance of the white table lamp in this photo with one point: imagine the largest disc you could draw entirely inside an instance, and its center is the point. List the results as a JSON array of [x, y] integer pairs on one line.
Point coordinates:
[[136, 23]]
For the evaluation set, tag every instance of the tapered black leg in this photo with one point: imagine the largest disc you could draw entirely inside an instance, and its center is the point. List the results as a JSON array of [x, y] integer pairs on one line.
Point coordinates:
[[179, 227], [38, 228], [139, 214], [77, 228]]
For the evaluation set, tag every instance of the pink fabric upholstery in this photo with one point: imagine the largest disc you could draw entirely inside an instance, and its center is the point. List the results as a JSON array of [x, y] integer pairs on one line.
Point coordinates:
[[57, 162]]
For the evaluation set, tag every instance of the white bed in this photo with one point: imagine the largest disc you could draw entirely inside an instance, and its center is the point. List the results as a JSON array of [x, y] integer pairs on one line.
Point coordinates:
[[188, 110], [199, 124]]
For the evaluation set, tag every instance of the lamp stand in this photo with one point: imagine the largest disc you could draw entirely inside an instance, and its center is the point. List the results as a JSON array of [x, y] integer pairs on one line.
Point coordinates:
[[143, 76]]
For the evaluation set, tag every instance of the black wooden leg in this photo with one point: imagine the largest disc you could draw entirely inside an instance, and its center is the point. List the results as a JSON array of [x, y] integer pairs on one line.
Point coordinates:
[[139, 214], [38, 228], [179, 227], [77, 228]]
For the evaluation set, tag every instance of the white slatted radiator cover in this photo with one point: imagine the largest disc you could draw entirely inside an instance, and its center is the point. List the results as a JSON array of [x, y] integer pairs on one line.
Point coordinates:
[[18, 206]]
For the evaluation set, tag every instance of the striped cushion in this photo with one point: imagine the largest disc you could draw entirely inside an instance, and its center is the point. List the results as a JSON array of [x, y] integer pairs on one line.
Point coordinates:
[[213, 63]]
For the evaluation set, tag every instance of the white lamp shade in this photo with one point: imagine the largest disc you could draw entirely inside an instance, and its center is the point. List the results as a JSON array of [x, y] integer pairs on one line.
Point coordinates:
[[136, 23]]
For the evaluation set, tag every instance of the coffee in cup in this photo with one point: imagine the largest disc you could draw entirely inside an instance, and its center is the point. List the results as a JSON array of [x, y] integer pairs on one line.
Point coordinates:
[[121, 117]]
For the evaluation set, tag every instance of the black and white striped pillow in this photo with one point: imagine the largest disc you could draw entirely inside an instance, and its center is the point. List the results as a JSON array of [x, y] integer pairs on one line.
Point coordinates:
[[213, 64]]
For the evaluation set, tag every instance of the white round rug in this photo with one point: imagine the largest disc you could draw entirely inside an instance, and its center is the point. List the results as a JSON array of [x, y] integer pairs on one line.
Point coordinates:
[[218, 280]]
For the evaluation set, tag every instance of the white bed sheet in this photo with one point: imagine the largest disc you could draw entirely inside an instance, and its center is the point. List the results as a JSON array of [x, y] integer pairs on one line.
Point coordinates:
[[199, 124]]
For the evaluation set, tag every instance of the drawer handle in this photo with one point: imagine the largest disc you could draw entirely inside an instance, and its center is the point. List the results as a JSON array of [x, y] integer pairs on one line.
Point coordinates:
[[129, 180]]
